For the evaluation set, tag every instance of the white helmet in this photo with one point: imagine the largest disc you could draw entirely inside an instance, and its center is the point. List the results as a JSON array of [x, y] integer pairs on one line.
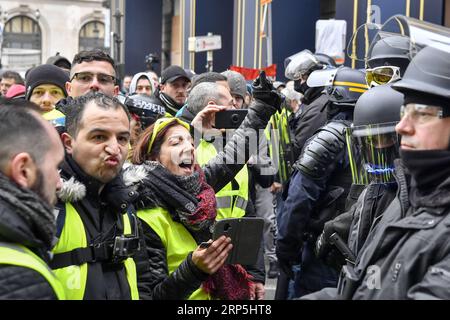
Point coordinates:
[[301, 64]]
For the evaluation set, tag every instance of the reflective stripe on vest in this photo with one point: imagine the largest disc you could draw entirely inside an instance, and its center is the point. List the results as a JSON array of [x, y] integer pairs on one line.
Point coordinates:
[[177, 241], [73, 236], [225, 202], [278, 134], [225, 209], [18, 255]]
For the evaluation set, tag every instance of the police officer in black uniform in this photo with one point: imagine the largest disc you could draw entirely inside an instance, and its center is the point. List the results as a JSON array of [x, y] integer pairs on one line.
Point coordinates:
[[319, 186], [374, 146]]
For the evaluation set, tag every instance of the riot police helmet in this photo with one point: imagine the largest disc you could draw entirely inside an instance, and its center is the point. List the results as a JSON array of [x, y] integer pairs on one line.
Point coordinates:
[[427, 79], [389, 51], [372, 140], [301, 65], [347, 86]]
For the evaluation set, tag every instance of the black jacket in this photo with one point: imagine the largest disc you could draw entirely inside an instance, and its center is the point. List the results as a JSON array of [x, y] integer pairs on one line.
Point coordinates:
[[407, 254], [101, 213], [186, 115], [354, 225], [313, 117], [162, 99], [409, 247], [19, 282], [219, 171]]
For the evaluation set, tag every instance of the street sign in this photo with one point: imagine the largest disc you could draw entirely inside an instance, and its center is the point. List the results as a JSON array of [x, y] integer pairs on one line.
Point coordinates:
[[205, 43]]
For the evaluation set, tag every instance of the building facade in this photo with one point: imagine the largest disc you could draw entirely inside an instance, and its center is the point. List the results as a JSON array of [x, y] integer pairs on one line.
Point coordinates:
[[34, 30], [138, 33]]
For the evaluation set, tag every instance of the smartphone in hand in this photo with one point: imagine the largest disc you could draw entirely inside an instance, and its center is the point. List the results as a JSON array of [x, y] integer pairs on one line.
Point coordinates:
[[246, 236], [230, 119]]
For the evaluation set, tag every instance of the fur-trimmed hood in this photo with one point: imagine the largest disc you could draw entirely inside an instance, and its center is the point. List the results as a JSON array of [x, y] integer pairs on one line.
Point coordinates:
[[134, 173], [72, 190]]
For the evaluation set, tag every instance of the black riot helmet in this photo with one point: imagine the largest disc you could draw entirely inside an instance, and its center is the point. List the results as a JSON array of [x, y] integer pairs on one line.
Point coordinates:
[[378, 105], [389, 51], [427, 79], [372, 140], [347, 86], [145, 108]]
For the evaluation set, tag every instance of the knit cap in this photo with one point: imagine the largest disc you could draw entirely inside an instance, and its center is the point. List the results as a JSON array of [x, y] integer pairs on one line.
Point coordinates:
[[46, 74]]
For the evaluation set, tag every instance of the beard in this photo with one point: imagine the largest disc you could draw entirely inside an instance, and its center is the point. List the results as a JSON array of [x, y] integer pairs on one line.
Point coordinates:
[[38, 187]]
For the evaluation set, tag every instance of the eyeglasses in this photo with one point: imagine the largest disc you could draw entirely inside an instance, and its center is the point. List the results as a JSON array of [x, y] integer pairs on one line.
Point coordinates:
[[421, 113], [382, 75], [88, 77], [160, 124]]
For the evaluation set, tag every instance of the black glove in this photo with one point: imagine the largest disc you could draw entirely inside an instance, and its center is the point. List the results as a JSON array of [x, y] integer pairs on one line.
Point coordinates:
[[286, 267], [287, 257], [264, 91], [325, 250]]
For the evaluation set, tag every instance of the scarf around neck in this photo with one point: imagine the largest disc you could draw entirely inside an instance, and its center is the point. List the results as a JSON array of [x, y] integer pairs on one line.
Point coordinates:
[[171, 105], [192, 202], [31, 208], [430, 171]]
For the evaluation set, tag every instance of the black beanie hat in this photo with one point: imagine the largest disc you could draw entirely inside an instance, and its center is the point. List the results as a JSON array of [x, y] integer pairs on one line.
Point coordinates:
[[46, 74]]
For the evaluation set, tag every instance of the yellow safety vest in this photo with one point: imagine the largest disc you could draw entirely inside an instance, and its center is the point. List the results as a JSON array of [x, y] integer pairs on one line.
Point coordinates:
[[280, 139], [224, 198], [18, 255], [73, 236], [176, 239], [55, 117]]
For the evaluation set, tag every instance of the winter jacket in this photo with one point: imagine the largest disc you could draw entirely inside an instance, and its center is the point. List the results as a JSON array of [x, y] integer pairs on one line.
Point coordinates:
[[367, 213], [162, 99], [219, 171], [354, 225], [311, 118], [20, 282], [185, 115], [406, 255], [102, 216]]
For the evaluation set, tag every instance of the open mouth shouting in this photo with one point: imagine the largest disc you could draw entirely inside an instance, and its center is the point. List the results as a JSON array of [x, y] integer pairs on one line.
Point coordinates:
[[187, 166]]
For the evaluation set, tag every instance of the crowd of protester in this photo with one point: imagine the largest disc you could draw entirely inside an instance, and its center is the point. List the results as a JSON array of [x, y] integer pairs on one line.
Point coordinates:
[[111, 188]]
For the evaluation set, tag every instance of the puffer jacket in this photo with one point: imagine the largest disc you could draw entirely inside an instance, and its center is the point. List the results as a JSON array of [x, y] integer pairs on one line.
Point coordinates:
[[20, 282], [219, 171]]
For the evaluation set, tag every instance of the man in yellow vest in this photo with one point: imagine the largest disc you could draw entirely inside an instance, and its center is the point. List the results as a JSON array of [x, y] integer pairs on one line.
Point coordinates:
[[97, 232], [30, 152]]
